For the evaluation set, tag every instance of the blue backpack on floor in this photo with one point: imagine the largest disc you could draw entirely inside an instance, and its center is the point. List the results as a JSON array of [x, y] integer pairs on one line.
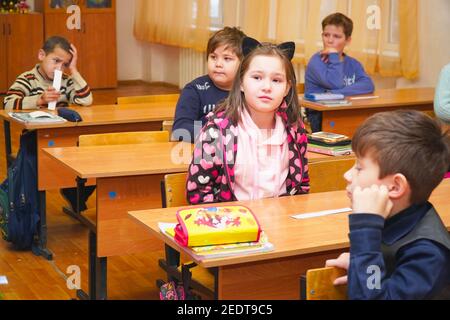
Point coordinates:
[[19, 207]]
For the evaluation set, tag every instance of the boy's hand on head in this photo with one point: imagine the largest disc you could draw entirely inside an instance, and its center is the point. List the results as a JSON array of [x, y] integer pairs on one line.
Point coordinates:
[[49, 95], [73, 62], [343, 261], [373, 200]]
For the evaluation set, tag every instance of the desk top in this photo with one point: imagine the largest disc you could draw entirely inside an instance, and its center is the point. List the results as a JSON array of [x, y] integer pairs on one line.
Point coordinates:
[[124, 160], [135, 159], [290, 237], [108, 114], [386, 98]]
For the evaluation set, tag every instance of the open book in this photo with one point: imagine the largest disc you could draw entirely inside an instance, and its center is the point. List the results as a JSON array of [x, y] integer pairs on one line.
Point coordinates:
[[37, 117]]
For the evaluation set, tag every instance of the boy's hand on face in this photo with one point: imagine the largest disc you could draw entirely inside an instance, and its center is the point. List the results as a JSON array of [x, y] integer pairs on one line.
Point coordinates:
[[343, 261], [73, 62], [373, 200], [324, 54], [49, 95]]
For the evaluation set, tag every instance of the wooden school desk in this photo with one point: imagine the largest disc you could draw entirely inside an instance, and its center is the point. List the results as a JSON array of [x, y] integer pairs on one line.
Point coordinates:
[[299, 244], [345, 119], [128, 178], [96, 119]]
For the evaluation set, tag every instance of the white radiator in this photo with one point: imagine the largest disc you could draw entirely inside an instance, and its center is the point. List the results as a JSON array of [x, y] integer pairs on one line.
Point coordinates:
[[192, 65]]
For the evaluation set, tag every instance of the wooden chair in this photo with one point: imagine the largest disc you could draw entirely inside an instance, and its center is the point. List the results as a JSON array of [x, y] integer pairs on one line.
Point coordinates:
[[173, 190], [167, 126], [114, 138], [328, 175], [149, 98], [318, 284], [300, 88]]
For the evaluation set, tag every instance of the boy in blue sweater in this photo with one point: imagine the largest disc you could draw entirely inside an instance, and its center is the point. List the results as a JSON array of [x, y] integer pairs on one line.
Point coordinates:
[[331, 70], [399, 247], [200, 97]]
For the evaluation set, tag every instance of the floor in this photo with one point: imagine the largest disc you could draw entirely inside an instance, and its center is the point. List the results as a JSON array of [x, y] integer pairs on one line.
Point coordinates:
[[32, 277]]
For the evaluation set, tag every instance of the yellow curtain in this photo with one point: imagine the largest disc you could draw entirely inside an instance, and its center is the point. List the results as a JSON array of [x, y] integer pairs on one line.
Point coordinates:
[[300, 21], [172, 22], [256, 19], [409, 39]]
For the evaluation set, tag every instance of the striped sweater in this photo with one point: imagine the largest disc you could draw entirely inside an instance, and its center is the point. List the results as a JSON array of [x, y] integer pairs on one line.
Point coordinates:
[[29, 86]]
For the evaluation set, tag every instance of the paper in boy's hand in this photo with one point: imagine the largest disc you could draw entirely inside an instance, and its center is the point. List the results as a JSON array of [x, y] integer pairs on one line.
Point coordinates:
[[57, 85]]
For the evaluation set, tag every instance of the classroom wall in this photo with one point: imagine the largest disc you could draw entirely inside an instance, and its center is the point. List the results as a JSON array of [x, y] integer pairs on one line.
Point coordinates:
[[160, 63], [130, 51], [434, 26]]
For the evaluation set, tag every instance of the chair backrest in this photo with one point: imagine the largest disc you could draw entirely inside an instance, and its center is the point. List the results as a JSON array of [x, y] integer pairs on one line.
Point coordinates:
[[318, 284], [300, 88], [173, 190], [328, 175], [148, 98], [167, 126], [123, 138]]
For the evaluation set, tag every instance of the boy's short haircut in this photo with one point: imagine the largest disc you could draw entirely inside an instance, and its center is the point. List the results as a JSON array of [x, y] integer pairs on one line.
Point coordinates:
[[56, 41], [231, 37], [339, 20], [407, 142]]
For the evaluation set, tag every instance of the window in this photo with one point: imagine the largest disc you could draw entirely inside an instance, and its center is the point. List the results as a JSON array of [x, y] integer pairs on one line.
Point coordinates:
[[215, 13], [393, 22]]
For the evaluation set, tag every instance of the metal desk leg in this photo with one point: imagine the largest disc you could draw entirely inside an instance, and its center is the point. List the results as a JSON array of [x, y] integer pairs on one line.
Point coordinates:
[[8, 149], [97, 273], [39, 247]]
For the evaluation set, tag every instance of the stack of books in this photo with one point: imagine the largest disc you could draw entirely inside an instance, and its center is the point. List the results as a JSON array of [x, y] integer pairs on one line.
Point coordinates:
[[218, 231], [329, 143], [221, 250], [328, 99]]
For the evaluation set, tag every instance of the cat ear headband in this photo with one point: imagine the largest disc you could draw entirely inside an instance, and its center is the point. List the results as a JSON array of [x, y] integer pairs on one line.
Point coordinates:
[[249, 44]]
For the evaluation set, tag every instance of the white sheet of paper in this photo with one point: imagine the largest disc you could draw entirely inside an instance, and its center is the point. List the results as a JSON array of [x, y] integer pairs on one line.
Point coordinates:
[[321, 213], [3, 280], [57, 85]]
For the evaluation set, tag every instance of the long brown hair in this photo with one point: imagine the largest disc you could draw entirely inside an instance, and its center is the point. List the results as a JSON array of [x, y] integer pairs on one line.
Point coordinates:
[[236, 98]]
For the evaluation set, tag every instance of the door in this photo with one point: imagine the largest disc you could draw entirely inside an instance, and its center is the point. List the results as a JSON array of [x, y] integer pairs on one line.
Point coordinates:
[[3, 70], [25, 38], [97, 54], [56, 25]]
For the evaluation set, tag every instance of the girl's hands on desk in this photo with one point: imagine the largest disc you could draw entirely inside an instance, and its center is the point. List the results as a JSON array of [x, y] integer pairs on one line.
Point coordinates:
[[342, 262]]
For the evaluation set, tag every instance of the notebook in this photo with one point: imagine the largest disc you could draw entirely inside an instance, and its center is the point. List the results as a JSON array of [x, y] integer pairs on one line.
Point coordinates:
[[324, 96], [37, 117], [329, 138]]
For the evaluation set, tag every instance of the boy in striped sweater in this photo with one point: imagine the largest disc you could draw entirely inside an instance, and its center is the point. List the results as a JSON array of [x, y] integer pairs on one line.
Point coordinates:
[[33, 89]]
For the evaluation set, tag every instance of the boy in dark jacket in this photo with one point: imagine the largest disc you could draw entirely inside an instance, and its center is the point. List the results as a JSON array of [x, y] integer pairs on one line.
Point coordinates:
[[399, 247], [200, 97]]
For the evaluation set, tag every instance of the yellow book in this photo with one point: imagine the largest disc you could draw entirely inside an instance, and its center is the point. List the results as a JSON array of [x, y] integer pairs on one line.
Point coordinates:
[[216, 225]]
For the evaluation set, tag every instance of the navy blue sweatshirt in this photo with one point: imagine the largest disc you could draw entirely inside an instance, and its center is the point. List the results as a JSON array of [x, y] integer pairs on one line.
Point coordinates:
[[346, 77], [197, 99], [422, 267]]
